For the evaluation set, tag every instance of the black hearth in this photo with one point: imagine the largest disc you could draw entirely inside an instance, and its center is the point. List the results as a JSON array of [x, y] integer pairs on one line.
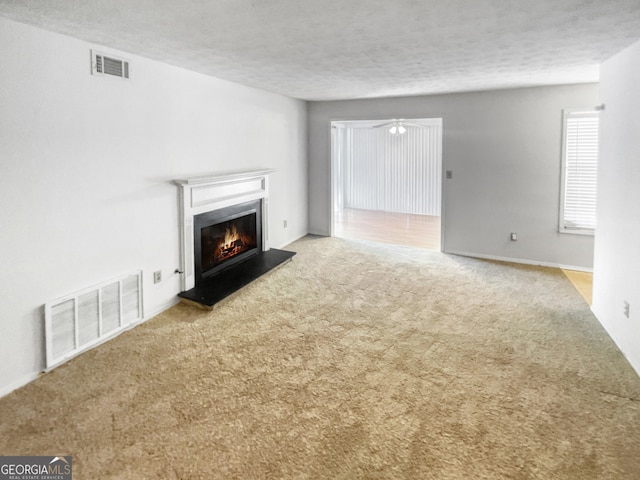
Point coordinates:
[[228, 252]]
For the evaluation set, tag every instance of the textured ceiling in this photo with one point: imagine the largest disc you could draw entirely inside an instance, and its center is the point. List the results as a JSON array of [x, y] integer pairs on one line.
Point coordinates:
[[337, 49]]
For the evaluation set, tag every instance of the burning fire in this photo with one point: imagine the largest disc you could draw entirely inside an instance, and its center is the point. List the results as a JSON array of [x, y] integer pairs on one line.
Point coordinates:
[[232, 243], [230, 236]]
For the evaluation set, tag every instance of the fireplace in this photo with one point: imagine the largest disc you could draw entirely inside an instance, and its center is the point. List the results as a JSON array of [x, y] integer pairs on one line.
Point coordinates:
[[225, 237]]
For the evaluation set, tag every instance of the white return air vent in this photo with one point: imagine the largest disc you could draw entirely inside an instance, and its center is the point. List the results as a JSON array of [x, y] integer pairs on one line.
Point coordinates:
[[84, 319], [108, 65]]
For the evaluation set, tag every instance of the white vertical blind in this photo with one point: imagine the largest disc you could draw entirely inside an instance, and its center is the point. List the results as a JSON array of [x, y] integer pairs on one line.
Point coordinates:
[[580, 172], [393, 173]]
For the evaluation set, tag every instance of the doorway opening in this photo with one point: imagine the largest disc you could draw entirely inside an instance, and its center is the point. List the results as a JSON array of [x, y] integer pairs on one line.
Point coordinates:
[[387, 181]]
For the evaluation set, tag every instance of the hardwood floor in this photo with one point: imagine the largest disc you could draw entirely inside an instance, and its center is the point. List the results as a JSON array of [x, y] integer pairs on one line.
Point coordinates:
[[422, 231], [583, 281]]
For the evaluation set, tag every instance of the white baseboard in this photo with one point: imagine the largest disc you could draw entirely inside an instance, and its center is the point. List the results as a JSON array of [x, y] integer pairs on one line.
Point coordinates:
[[520, 260], [7, 389], [289, 242], [158, 310], [610, 332]]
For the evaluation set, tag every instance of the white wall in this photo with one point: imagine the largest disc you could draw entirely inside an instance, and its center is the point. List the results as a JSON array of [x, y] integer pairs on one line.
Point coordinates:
[[87, 164], [617, 247], [504, 148]]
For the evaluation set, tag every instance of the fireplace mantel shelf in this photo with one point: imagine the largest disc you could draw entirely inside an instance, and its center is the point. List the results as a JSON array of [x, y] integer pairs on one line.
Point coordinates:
[[217, 178]]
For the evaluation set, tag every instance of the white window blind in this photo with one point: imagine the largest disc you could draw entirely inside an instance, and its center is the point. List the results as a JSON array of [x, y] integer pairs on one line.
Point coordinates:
[[580, 170], [392, 173]]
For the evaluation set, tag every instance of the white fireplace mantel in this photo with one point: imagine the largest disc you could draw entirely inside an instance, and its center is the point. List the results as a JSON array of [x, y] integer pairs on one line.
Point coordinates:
[[205, 194]]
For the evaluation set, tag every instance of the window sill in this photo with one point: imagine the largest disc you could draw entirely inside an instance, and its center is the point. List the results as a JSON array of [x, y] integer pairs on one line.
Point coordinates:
[[578, 231]]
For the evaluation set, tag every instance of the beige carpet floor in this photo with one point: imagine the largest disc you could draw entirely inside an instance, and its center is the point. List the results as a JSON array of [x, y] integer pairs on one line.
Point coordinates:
[[353, 361]]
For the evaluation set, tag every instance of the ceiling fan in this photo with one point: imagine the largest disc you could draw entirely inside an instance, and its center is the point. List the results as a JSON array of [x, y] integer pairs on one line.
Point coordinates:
[[397, 126]]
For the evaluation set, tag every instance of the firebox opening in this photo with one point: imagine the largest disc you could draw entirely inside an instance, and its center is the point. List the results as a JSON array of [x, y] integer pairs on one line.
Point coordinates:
[[226, 237], [225, 240]]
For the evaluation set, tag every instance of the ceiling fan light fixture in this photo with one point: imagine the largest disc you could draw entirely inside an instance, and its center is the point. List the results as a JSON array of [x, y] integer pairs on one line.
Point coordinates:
[[397, 129]]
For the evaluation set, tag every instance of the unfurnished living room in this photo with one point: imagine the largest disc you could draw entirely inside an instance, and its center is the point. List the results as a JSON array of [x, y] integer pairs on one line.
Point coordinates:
[[320, 240]]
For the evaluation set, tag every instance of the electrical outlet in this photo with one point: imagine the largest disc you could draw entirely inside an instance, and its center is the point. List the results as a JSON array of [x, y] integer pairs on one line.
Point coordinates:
[[514, 236], [284, 223], [626, 309], [157, 276]]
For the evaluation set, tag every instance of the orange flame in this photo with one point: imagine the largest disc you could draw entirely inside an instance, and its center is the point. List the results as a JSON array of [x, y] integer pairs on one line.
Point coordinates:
[[230, 236]]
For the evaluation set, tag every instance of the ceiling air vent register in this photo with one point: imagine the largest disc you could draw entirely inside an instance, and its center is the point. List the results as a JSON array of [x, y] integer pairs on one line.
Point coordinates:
[[108, 65]]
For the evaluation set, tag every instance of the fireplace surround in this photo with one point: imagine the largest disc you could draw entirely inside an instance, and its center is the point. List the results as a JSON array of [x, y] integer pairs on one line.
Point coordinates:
[[224, 236]]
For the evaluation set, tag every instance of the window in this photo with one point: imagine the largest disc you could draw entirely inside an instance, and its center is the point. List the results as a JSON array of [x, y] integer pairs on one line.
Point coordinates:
[[579, 172]]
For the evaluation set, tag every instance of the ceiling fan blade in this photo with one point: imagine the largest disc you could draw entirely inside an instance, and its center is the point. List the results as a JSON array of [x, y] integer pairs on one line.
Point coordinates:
[[411, 124], [384, 124]]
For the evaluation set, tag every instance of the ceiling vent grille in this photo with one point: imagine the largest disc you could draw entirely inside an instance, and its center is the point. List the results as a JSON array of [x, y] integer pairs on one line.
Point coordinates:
[[108, 65]]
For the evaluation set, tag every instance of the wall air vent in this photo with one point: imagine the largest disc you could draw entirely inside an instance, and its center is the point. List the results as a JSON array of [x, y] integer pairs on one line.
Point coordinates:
[[108, 65], [84, 319]]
